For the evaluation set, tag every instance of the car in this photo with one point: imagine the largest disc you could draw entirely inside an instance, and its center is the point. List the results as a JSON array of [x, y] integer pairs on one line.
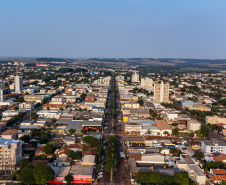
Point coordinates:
[[103, 157], [104, 148], [101, 173], [122, 162]]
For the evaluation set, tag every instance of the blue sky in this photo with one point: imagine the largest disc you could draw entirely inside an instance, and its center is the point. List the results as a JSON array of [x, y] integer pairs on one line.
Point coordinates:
[[113, 28]]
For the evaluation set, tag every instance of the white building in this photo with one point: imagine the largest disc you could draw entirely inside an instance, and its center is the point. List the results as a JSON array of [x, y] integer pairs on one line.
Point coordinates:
[[146, 83], [1, 95], [49, 114], [135, 77], [213, 146], [10, 153], [26, 106], [161, 92], [18, 84]]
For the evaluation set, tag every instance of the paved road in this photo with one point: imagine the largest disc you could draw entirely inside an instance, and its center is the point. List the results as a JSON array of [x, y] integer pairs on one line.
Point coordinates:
[[118, 174]]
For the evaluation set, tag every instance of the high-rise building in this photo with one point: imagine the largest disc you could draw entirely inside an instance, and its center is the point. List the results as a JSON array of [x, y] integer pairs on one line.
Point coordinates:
[[161, 92], [1, 95], [18, 84], [146, 83], [135, 77], [10, 152]]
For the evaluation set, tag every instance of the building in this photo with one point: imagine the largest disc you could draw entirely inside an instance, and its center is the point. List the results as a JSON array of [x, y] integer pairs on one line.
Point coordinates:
[[11, 153], [161, 92], [26, 106], [49, 114], [1, 95], [135, 77], [213, 146], [146, 83], [18, 84], [215, 120]]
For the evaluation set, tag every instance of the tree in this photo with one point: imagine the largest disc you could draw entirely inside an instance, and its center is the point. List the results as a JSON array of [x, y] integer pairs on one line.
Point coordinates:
[[199, 133], [34, 116], [141, 102], [74, 155], [25, 138], [71, 131], [83, 131], [154, 177], [26, 175], [109, 166], [69, 178], [91, 141], [42, 174], [154, 114], [23, 162], [112, 140], [181, 178], [191, 135], [143, 177], [165, 133], [49, 148], [205, 129], [175, 131], [83, 96], [27, 93], [149, 131]]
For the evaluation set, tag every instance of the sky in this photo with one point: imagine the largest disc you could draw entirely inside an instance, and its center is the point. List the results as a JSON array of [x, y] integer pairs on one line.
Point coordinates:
[[113, 28]]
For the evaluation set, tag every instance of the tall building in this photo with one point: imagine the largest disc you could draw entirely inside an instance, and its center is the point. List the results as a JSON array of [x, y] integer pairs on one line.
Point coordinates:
[[135, 77], [10, 152], [146, 83], [161, 92], [1, 95], [18, 84]]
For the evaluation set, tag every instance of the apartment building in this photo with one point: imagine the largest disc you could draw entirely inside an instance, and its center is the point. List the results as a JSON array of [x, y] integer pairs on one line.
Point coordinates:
[[34, 98], [213, 146], [215, 120], [135, 77], [10, 153], [161, 92], [26, 106], [146, 83]]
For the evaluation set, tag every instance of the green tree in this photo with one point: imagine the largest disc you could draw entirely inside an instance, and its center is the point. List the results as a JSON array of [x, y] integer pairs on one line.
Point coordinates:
[[109, 166], [154, 177], [25, 138], [26, 175], [83, 96], [112, 140], [175, 131], [71, 131], [27, 93], [191, 135], [165, 133], [69, 178], [34, 116], [181, 178], [205, 130], [42, 174], [74, 155], [23, 162], [91, 141], [49, 148], [143, 177], [199, 133]]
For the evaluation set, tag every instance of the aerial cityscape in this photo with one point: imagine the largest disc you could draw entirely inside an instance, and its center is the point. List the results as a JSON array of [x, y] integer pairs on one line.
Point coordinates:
[[123, 92]]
